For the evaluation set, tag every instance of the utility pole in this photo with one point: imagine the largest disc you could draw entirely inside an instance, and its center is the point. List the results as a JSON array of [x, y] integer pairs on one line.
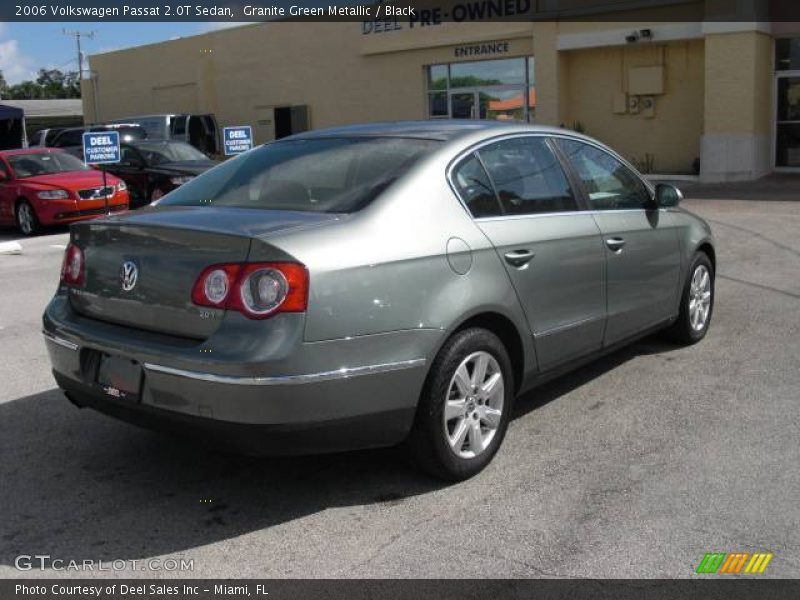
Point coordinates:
[[77, 35]]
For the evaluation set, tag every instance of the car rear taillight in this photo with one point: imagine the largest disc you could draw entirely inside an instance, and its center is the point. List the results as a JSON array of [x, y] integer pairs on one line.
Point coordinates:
[[257, 290], [73, 270], [214, 285]]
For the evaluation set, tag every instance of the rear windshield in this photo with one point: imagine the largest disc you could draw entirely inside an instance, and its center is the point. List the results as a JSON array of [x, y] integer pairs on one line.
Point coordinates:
[[156, 153], [337, 175], [46, 163]]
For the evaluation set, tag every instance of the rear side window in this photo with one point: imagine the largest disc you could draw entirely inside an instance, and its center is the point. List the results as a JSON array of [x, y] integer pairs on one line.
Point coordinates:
[[473, 185], [527, 177], [50, 136], [609, 184], [178, 125], [70, 138]]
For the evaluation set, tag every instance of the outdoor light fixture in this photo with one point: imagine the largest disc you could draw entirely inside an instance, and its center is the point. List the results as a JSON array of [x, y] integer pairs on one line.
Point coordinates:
[[642, 34]]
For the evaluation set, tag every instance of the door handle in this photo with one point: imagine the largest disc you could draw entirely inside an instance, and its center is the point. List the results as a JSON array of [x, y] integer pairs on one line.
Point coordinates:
[[518, 258], [615, 244]]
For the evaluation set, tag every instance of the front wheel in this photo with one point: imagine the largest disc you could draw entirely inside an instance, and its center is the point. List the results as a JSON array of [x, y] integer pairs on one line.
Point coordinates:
[[27, 221], [465, 406], [697, 303]]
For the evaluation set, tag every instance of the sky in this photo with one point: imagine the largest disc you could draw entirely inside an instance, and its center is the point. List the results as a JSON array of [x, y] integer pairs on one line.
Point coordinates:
[[27, 47]]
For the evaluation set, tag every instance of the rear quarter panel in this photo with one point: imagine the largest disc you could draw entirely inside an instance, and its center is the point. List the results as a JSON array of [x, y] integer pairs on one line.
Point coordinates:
[[386, 268]]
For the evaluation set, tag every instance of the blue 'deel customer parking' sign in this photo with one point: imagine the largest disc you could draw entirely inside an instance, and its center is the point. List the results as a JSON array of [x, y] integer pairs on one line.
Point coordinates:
[[101, 147]]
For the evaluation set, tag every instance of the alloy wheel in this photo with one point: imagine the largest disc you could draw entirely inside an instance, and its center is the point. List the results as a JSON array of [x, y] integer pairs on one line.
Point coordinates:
[[474, 405], [699, 298], [25, 217]]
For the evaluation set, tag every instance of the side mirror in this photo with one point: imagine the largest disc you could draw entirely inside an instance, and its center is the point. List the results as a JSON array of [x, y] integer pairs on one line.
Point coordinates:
[[667, 195]]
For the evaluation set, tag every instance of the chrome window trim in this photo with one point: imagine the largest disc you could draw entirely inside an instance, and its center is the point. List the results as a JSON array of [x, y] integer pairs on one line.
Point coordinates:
[[463, 154], [567, 214], [343, 373], [60, 341]]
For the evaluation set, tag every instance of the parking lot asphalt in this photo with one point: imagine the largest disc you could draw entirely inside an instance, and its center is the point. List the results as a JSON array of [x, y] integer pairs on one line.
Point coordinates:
[[633, 466]]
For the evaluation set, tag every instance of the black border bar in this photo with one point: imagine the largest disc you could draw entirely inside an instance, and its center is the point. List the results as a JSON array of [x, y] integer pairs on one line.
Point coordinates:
[[740, 587], [240, 11]]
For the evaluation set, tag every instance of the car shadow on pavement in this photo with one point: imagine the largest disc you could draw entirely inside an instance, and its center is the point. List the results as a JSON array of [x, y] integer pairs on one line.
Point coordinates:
[[78, 485], [11, 234], [560, 386]]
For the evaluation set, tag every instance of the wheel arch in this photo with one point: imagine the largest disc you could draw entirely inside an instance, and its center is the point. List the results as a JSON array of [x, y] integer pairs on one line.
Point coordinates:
[[505, 329], [708, 249]]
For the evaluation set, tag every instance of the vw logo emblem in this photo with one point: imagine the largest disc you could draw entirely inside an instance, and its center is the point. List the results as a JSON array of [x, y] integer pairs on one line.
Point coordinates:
[[128, 275]]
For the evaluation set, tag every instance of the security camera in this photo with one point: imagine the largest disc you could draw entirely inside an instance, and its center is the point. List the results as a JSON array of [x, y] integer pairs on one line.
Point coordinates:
[[632, 38]]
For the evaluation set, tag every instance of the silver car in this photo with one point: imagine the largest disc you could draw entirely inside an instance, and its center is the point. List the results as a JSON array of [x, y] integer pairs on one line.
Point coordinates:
[[374, 285]]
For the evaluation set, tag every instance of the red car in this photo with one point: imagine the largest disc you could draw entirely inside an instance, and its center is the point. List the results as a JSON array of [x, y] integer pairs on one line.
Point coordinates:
[[47, 186]]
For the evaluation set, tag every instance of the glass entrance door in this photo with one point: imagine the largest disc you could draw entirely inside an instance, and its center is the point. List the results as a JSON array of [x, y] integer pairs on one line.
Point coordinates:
[[502, 89], [787, 121], [463, 105]]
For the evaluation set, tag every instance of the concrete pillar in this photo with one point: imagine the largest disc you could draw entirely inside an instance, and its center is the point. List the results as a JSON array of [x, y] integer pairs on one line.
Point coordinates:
[[90, 107], [549, 68], [738, 107]]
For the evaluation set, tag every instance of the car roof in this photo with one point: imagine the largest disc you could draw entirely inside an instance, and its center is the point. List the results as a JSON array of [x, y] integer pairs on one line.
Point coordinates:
[[35, 150], [443, 130], [104, 127], [150, 142]]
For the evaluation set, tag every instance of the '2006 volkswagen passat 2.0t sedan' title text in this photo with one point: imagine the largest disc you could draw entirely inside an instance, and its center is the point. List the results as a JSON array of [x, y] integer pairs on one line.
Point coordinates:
[[374, 285]]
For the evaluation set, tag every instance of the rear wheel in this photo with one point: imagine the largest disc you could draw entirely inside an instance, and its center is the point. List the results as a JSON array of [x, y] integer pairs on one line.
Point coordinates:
[[465, 406], [697, 303], [27, 221]]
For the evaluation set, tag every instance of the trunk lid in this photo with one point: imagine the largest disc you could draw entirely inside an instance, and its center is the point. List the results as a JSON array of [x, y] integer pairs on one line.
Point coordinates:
[[169, 247]]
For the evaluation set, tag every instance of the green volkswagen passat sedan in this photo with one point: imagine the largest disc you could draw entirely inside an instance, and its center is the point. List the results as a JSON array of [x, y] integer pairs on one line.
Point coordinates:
[[370, 285]]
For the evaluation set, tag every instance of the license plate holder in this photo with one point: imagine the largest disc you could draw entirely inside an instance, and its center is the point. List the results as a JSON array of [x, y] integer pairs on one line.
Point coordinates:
[[119, 377]]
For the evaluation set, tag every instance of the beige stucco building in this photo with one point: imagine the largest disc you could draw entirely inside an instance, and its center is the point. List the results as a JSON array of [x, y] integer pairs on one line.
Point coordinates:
[[676, 97]]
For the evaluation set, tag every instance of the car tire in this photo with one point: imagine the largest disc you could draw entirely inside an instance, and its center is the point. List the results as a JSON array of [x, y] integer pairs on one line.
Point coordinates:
[[463, 415], [27, 221], [697, 303]]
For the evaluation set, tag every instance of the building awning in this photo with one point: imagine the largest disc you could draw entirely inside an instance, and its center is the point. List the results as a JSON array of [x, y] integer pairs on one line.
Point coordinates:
[[72, 107], [10, 112]]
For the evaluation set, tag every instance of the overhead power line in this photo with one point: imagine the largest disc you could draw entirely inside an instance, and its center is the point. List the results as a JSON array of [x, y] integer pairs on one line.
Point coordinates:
[[77, 35]]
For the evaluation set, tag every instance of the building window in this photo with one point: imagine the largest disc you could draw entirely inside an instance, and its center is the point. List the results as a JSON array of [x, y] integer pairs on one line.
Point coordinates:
[[787, 110], [502, 89], [787, 54]]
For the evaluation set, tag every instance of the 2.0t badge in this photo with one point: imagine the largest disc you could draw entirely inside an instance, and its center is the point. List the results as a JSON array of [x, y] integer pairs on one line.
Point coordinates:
[[128, 275]]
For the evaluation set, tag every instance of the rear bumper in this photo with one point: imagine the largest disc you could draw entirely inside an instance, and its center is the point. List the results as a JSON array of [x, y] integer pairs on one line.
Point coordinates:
[[331, 396], [373, 430]]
